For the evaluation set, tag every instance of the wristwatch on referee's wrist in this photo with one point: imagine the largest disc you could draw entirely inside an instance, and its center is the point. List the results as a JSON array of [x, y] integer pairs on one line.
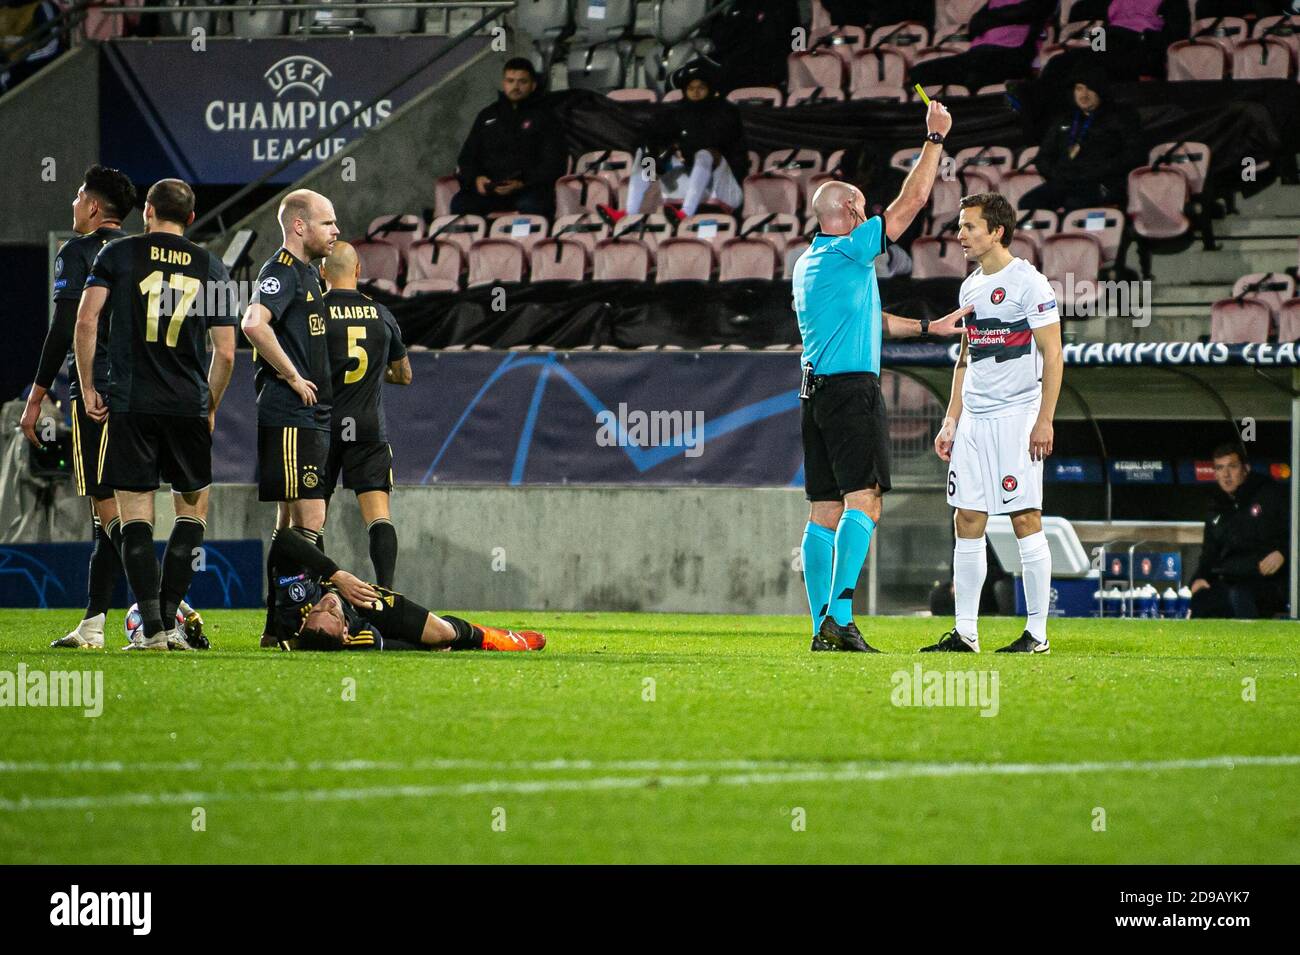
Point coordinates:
[[935, 138], [925, 328]]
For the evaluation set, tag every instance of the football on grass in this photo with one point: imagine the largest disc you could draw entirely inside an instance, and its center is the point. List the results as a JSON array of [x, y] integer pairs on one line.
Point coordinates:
[[133, 621]]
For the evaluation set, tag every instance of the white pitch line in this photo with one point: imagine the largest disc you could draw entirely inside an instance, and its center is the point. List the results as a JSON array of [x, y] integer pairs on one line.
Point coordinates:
[[851, 773], [417, 765]]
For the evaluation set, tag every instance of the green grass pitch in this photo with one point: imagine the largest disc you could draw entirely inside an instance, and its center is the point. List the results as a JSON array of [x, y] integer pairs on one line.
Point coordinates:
[[662, 738]]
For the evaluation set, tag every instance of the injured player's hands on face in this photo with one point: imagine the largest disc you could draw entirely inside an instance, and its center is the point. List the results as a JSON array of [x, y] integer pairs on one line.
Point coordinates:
[[356, 591]]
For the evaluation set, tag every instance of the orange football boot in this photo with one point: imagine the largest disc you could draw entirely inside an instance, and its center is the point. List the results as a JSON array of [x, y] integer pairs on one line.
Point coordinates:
[[494, 638]]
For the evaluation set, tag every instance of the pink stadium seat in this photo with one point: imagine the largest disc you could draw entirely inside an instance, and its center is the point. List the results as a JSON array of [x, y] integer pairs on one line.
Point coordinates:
[[444, 189], [1191, 159], [1288, 321], [382, 285], [1196, 60], [820, 17], [402, 231], [621, 260], [1271, 288], [1040, 224], [576, 193], [951, 14], [1156, 199], [747, 259], [993, 162], [1076, 255], [904, 159], [464, 230], [1223, 31], [1023, 248], [1104, 224], [1017, 184], [835, 163], [815, 94], [1262, 59], [711, 227], [612, 165], [555, 260], [379, 260], [991, 89], [772, 192], [799, 164], [906, 37], [1027, 159], [944, 93], [1239, 322], [495, 260], [683, 259], [1284, 28], [878, 74], [815, 68], [649, 229], [420, 286], [523, 227], [945, 206], [439, 259], [757, 96], [672, 96], [778, 229], [938, 258], [633, 95], [845, 42], [587, 228]]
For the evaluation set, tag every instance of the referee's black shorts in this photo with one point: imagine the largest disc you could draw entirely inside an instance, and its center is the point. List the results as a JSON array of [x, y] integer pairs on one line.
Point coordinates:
[[845, 437]]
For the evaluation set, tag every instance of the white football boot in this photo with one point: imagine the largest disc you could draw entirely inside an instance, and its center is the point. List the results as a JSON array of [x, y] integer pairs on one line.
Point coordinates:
[[88, 635]]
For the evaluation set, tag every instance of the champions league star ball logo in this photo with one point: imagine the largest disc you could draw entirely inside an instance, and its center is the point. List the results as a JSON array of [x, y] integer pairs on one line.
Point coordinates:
[[997, 296], [270, 285], [1009, 482], [297, 593]]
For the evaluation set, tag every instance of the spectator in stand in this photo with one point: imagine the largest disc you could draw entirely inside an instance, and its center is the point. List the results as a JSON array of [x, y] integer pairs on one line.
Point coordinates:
[[879, 13], [1004, 40], [1245, 544], [1086, 155], [699, 152], [751, 41], [514, 153]]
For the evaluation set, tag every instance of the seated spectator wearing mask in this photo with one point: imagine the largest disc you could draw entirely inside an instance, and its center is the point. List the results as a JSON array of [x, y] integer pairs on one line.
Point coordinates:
[[1245, 545], [699, 152], [514, 153], [1004, 40], [1087, 153]]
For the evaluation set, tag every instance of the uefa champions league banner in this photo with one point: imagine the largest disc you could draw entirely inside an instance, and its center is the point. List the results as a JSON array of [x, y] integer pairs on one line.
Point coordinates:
[[234, 110]]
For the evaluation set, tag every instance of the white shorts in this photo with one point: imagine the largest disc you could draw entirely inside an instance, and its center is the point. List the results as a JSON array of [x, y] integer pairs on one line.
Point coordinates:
[[991, 470]]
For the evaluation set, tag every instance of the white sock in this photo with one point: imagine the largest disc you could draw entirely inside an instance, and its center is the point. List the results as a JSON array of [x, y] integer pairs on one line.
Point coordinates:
[[184, 608], [1036, 564], [697, 187], [638, 185], [969, 565]]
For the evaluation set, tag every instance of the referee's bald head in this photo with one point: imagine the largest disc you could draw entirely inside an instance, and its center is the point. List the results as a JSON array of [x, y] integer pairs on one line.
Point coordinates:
[[839, 207]]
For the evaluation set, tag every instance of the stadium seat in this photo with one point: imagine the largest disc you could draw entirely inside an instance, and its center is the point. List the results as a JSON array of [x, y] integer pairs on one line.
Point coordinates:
[[1023, 248], [815, 94], [633, 95], [1271, 288], [1027, 160], [650, 229], [672, 96], [387, 286], [878, 74], [815, 68], [673, 19], [612, 165], [1191, 159], [845, 42], [711, 227], [757, 96], [395, 20], [555, 260], [748, 259], [621, 260], [1077, 255], [820, 17], [952, 14], [435, 259], [602, 22], [574, 194], [683, 259], [495, 260], [379, 260], [991, 162], [1262, 59], [1239, 321], [945, 93], [464, 230], [772, 192], [598, 68], [907, 38], [525, 228], [945, 206], [1156, 200], [904, 159], [1106, 225], [1288, 321], [258, 24], [402, 231], [587, 228], [1284, 28], [793, 250], [1224, 32], [419, 286], [799, 164], [1017, 184], [778, 229], [936, 257], [1196, 60], [444, 188]]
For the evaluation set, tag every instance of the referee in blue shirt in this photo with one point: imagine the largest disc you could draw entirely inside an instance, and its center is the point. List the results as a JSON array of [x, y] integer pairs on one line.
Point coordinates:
[[845, 433]]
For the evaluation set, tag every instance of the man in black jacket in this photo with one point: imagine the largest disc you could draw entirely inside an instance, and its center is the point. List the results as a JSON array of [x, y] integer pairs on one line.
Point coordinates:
[[514, 153], [1245, 544]]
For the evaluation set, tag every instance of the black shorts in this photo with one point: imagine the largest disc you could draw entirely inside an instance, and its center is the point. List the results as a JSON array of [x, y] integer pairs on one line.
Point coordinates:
[[365, 465], [87, 451], [399, 617], [291, 463], [845, 437], [143, 450]]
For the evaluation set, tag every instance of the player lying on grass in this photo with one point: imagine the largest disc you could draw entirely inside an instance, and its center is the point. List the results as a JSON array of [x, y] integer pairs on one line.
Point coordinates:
[[320, 607]]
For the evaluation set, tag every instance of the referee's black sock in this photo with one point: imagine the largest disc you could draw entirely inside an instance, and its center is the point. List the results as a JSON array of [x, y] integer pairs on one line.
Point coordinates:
[[383, 551], [142, 573], [105, 568], [178, 567]]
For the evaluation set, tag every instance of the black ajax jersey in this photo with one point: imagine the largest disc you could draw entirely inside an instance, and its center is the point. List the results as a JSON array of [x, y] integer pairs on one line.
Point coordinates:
[[297, 594], [290, 290], [71, 269], [363, 339], [164, 294]]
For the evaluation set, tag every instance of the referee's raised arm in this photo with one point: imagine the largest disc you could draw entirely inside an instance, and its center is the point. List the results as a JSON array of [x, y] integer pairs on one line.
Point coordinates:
[[916, 187]]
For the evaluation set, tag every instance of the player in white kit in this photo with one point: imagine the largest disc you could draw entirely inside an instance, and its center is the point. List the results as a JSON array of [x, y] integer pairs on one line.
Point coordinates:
[[998, 428]]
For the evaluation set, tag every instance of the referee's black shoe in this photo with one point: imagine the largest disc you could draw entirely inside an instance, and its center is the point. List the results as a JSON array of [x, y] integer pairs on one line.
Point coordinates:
[[846, 638], [1027, 644], [950, 642], [819, 645]]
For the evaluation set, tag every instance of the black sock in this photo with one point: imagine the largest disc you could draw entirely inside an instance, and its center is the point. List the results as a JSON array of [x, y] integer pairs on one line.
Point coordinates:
[[270, 586], [320, 539], [468, 636], [383, 551], [142, 573], [105, 568], [178, 564], [115, 538]]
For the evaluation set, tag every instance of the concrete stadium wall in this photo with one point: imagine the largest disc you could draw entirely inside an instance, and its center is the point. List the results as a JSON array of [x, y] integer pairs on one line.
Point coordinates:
[[706, 550], [55, 116]]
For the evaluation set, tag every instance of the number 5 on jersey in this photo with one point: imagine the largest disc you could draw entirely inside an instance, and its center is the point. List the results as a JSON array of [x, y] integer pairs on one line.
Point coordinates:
[[355, 334]]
